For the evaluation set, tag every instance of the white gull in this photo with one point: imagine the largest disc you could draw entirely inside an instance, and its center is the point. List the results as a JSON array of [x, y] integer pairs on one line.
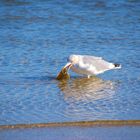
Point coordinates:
[[89, 65]]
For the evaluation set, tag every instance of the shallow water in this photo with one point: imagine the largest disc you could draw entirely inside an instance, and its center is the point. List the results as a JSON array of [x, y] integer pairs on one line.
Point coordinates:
[[35, 39], [72, 133]]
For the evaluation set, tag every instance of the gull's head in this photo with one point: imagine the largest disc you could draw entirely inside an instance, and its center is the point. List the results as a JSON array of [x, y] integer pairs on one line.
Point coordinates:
[[73, 59]]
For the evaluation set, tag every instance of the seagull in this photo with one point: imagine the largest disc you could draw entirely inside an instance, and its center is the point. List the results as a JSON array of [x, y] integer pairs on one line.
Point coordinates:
[[89, 65]]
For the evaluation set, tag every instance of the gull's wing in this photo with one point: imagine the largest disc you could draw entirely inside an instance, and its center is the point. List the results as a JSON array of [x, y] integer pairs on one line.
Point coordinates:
[[97, 62]]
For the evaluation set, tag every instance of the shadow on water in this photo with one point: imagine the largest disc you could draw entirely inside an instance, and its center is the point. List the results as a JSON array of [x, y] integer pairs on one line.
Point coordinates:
[[41, 78], [87, 89], [29, 80], [15, 2]]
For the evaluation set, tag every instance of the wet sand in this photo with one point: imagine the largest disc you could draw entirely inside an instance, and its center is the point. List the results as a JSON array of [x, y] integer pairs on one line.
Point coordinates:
[[94, 130]]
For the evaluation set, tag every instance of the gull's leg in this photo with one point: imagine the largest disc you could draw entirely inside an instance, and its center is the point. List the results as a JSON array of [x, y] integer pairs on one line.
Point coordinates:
[[88, 76]]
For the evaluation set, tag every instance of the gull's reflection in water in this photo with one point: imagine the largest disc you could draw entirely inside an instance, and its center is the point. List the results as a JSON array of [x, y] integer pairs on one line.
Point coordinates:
[[87, 89]]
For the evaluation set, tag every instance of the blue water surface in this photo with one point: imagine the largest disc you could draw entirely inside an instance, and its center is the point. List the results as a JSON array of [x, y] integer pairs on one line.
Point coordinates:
[[36, 37]]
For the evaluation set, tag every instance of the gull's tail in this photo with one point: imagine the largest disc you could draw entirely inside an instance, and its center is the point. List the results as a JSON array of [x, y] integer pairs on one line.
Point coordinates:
[[117, 66]]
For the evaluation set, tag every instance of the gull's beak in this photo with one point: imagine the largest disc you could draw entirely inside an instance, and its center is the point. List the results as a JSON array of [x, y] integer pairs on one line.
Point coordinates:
[[68, 66]]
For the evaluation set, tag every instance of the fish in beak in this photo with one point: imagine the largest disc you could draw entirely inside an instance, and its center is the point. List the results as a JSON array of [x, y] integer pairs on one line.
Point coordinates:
[[63, 74]]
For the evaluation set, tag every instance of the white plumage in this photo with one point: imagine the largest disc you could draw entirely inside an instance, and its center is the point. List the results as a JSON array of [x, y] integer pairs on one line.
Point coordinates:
[[89, 65]]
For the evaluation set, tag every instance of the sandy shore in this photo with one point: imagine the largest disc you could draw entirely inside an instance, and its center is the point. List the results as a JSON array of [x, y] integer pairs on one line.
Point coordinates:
[[94, 130]]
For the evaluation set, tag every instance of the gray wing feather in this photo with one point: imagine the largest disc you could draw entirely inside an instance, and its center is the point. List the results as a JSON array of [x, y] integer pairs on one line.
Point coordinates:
[[97, 62]]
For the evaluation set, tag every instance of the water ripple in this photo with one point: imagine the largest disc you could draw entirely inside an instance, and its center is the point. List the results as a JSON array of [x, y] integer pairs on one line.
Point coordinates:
[[35, 39]]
